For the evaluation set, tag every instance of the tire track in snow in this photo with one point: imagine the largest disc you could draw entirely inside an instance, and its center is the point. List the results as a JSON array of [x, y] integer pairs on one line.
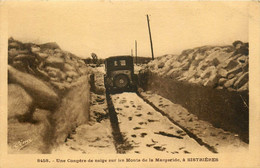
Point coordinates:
[[120, 143]]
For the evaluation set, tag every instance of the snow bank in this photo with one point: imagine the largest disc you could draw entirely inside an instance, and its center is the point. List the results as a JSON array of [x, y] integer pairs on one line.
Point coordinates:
[[48, 93], [210, 82], [47, 62], [73, 111], [221, 67]]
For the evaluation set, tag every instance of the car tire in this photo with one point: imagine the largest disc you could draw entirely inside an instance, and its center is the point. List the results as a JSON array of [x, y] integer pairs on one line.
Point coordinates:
[[121, 81]]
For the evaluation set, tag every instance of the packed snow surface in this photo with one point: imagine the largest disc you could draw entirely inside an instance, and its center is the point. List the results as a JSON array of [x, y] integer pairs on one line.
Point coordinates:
[[148, 131]]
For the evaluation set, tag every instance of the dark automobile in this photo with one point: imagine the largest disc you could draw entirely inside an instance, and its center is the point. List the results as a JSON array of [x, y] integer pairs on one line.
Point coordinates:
[[120, 74]]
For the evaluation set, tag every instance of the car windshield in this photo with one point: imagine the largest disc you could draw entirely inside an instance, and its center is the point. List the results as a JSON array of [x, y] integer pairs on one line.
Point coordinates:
[[120, 63]]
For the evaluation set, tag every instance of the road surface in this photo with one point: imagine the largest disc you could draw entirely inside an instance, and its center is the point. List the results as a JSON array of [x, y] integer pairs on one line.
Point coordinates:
[[148, 130]]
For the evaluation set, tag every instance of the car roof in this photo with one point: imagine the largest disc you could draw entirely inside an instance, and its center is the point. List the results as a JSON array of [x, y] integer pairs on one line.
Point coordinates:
[[119, 57]]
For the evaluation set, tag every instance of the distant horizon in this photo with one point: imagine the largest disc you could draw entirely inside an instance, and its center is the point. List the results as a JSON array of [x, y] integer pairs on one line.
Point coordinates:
[[123, 54]]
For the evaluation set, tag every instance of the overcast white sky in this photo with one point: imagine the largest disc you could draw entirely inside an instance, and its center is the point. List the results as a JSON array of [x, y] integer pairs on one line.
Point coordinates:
[[110, 28]]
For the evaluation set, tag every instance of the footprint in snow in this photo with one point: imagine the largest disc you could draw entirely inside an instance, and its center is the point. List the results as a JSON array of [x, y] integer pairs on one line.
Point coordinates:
[[150, 113], [159, 148], [139, 107], [136, 128], [174, 152], [186, 151], [181, 148], [99, 99], [153, 120], [161, 105], [121, 114], [141, 123], [122, 101], [154, 141], [180, 132], [143, 134], [149, 145], [72, 148]]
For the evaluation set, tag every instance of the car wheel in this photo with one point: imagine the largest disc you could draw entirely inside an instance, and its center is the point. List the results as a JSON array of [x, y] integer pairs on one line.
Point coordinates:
[[121, 81]]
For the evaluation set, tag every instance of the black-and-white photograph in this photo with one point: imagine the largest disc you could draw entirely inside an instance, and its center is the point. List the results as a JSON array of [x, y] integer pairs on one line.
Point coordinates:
[[111, 77], [122, 78]]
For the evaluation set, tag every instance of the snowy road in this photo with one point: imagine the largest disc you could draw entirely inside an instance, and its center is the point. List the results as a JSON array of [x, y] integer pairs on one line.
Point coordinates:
[[148, 130]]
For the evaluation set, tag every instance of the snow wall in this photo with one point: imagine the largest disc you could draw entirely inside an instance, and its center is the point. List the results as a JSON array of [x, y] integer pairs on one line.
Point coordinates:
[[48, 96], [222, 108], [73, 111], [48, 128]]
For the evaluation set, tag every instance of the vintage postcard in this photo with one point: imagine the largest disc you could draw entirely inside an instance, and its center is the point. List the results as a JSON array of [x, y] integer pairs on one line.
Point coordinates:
[[129, 83]]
